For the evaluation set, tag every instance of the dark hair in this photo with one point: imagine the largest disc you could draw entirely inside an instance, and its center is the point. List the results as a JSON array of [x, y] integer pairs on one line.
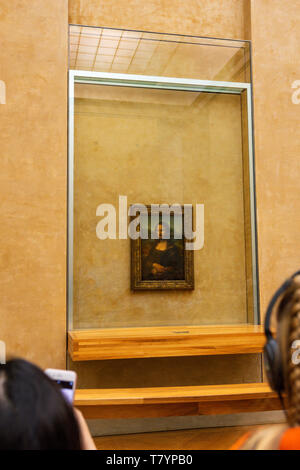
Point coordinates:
[[287, 332], [34, 415]]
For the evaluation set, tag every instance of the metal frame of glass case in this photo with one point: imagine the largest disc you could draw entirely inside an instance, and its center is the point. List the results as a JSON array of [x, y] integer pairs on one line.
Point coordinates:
[[170, 83]]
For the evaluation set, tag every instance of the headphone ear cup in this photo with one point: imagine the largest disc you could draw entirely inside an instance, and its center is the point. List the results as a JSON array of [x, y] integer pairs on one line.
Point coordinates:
[[273, 365]]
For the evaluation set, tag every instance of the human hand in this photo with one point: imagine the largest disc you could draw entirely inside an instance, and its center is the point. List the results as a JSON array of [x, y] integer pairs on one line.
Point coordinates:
[[158, 268], [87, 442]]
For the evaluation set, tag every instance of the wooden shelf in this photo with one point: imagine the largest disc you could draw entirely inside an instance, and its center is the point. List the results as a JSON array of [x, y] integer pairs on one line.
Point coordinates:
[[124, 343], [176, 401]]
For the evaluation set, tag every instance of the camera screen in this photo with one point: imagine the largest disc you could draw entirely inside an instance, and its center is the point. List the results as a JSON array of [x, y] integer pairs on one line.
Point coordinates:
[[67, 389]]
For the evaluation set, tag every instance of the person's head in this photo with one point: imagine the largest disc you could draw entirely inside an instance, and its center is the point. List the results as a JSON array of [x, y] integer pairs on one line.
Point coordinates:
[[288, 337], [286, 367], [34, 415]]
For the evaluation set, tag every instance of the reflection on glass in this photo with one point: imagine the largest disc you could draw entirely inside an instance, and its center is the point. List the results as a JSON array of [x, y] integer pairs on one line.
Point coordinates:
[[136, 52], [161, 146]]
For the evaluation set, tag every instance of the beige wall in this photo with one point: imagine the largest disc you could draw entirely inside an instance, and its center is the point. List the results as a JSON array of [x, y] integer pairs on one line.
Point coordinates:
[[33, 58], [214, 18], [33, 144], [276, 58]]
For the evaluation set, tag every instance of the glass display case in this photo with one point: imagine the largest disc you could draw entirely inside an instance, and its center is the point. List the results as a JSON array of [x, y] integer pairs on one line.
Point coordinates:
[[160, 119]]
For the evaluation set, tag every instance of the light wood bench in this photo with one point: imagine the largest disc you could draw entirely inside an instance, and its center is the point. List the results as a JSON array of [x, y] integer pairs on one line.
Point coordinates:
[[122, 343], [164, 341], [175, 401]]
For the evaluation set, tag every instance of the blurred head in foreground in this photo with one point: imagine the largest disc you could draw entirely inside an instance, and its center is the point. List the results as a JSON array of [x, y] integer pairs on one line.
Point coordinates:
[[286, 436], [33, 412]]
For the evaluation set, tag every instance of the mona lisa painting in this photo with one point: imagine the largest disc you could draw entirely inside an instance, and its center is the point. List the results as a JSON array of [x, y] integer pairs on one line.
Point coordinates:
[[159, 259]]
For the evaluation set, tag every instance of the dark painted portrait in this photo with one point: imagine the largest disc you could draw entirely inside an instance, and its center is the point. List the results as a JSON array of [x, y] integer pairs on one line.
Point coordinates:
[[159, 259], [162, 258]]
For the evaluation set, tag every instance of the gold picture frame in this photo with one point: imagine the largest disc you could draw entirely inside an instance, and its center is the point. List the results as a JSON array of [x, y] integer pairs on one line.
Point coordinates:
[[160, 260]]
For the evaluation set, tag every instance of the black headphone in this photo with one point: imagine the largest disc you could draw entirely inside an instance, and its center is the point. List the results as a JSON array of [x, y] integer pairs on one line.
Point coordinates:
[[272, 356]]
